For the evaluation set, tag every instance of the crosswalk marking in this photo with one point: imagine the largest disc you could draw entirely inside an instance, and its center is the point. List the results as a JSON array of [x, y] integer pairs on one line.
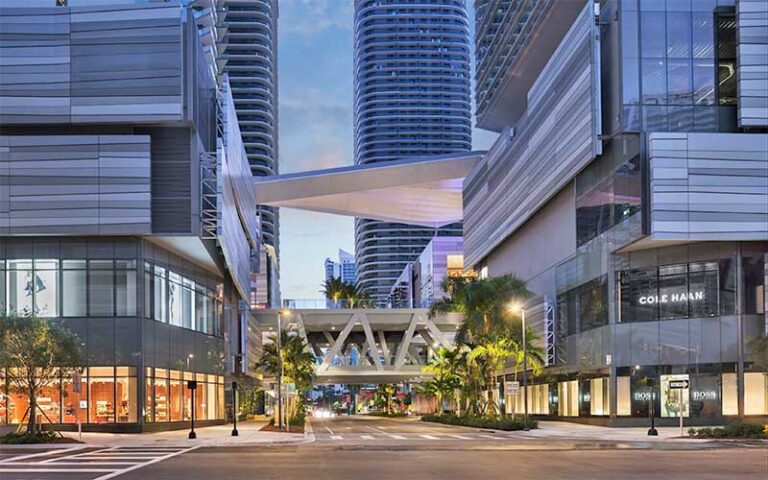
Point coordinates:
[[102, 463], [366, 437], [489, 436], [429, 437], [396, 437], [337, 437], [460, 437]]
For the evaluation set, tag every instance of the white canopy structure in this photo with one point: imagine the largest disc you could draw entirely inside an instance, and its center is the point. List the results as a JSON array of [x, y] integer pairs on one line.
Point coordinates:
[[422, 191]]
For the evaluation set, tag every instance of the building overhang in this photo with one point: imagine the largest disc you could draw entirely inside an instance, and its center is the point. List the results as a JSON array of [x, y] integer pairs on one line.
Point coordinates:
[[422, 191]]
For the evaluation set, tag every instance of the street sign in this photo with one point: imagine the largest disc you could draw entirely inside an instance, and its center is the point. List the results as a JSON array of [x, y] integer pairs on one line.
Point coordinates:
[[192, 384], [512, 388], [679, 384]]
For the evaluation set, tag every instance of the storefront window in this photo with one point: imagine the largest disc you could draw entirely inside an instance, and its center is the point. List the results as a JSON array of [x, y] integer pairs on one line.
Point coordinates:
[[49, 403], [705, 395], [755, 393], [730, 394], [160, 291], [754, 285], [176, 399], [101, 388], [623, 397], [100, 281], [46, 288], [210, 400], [21, 285], [174, 299], [74, 403], [162, 400], [126, 395], [125, 288], [677, 291], [599, 396], [3, 399], [568, 401], [74, 288]]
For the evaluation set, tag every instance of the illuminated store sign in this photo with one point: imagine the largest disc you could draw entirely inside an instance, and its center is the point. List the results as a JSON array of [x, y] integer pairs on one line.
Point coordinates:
[[671, 298]]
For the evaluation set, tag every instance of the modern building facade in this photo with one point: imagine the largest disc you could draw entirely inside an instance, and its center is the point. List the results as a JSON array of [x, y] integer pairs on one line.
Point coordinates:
[[420, 283], [128, 211], [412, 99], [248, 54], [343, 269], [629, 188]]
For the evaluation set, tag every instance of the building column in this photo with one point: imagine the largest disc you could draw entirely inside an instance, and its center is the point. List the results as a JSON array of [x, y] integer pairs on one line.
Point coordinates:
[[740, 330]]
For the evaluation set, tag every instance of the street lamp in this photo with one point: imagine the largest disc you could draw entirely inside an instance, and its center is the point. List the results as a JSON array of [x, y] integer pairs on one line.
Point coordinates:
[[521, 309], [282, 312], [651, 404]]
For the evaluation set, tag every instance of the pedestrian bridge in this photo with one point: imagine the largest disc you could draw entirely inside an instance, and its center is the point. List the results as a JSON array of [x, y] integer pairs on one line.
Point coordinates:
[[367, 346]]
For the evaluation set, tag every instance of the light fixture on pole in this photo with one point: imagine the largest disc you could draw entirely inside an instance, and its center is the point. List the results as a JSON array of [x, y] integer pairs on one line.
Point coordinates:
[[521, 309], [280, 314]]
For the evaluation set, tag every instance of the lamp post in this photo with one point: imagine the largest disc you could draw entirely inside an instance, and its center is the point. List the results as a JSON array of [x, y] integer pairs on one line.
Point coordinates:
[[280, 368], [235, 433], [525, 371]]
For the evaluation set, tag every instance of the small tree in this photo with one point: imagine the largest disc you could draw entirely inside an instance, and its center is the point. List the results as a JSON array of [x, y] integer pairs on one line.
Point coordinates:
[[36, 352]]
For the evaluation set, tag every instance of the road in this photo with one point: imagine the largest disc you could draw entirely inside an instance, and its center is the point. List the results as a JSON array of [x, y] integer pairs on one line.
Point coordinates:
[[361, 448]]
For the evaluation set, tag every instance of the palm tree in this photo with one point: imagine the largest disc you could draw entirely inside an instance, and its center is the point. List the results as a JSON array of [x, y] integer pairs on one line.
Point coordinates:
[[494, 353], [534, 352], [334, 289], [355, 295], [298, 363], [446, 379], [484, 303]]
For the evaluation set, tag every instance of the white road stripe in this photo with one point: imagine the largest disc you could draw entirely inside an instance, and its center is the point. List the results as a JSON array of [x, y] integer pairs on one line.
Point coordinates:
[[329, 430], [366, 437], [136, 467], [489, 436], [56, 470], [396, 437], [337, 437], [429, 437], [41, 454], [78, 455], [460, 437]]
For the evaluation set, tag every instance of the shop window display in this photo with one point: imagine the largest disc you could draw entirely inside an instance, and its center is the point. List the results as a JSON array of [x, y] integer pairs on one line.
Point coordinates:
[[126, 394], [755, 393], [74, 404], [101, 393]]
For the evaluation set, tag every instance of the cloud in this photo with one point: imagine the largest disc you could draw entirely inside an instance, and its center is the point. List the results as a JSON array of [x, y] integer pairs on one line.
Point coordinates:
[[312, 17]]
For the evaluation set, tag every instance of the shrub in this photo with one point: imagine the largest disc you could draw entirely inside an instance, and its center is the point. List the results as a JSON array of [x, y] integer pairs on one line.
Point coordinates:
[[494, 423], [733, 430], [27, 437]]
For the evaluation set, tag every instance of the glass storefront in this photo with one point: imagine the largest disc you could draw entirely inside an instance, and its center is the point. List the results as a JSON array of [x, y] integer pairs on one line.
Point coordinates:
[[110, 395], [173, 400]]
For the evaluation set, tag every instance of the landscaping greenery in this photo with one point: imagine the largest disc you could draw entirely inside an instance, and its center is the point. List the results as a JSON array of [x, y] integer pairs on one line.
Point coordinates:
[[298, 367], [344, 294], [733, 430], [489, 339], [497, 423], [18, 438], [36, 353]]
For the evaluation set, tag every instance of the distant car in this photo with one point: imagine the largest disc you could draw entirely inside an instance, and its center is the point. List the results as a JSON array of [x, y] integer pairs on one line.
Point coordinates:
[[322, 413]]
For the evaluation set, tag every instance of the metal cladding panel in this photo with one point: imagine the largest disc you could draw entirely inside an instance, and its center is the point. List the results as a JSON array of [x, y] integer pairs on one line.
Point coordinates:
[[752, 56], [238, 171], [76, 184], [100, 64], [559, 136], [708, 186]]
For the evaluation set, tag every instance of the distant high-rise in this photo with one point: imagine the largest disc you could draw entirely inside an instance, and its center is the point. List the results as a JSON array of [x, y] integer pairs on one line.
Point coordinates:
[[412, 99], [344, 269], [251, 62]]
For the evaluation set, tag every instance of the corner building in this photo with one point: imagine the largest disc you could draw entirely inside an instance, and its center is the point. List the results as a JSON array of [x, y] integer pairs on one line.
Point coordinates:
[[412, 99], [127, 215], [629, 188]]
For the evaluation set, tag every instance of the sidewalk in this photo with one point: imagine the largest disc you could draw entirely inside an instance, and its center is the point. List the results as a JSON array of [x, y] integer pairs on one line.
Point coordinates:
[[578, 431], [216, 436]]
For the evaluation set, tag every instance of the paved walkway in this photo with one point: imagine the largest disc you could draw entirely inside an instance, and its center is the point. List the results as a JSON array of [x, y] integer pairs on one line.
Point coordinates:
[[216, 436], [568, 430]]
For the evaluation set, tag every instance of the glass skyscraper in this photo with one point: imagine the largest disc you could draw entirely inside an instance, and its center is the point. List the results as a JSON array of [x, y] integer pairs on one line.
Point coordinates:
[[412, 99], [251, 62]]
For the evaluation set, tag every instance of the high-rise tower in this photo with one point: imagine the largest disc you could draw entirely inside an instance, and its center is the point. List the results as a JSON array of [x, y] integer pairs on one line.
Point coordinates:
[[412, 99], [251, 62]]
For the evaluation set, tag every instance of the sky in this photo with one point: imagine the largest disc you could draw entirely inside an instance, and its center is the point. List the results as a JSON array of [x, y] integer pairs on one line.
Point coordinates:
[[315, 102]]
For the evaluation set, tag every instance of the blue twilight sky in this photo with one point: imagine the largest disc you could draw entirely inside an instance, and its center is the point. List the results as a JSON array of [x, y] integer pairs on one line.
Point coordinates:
[[315, 102]]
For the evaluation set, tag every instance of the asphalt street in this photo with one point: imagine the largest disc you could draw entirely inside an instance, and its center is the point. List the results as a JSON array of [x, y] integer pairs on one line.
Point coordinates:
[[363, 448]]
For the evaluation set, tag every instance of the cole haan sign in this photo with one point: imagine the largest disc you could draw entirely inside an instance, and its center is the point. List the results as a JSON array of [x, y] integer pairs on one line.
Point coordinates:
[[671, 298]]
